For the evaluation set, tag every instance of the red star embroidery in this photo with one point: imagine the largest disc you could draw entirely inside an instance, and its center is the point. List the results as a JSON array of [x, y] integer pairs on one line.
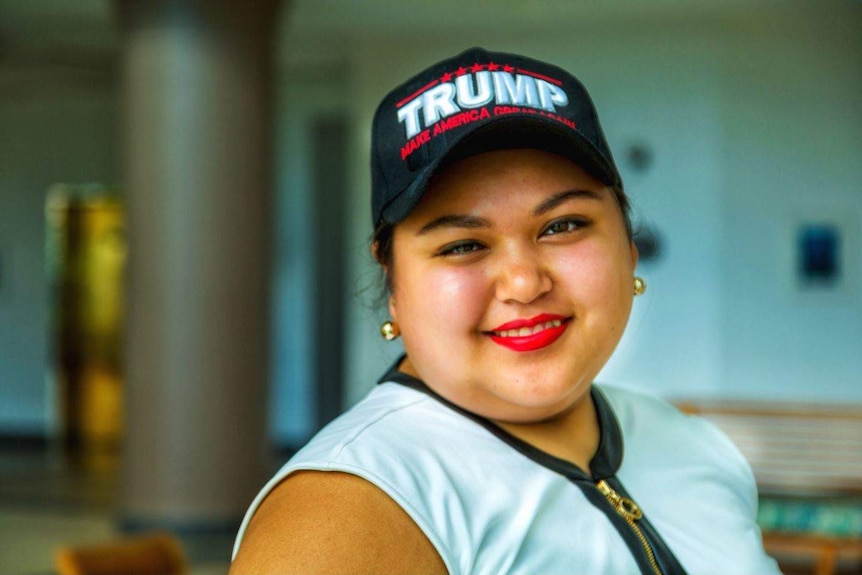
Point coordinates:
[[508, 69], [461, 71], [477, 68], [492, 67], [446, 77]]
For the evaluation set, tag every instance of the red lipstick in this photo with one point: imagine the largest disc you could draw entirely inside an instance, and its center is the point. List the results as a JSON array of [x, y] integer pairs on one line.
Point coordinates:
[[543, 337]]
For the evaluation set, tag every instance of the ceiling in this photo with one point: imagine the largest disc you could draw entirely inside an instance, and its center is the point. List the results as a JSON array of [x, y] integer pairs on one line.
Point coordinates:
[[84, 32]]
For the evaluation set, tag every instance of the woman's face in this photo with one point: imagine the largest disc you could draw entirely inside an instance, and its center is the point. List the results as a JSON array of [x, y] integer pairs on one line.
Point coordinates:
[[512, 283]]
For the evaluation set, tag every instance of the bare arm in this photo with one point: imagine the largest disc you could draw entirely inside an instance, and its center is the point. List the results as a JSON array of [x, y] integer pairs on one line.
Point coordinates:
[[329, 522]]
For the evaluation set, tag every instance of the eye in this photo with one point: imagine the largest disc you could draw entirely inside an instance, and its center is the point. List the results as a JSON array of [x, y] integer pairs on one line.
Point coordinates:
[[460, 248], [565, 225]]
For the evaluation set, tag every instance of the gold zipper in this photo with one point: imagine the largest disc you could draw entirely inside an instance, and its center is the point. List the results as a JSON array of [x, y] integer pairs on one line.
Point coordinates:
[[629, 511]]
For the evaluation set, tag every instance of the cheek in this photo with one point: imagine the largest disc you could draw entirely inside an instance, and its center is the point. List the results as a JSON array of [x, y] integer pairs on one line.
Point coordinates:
[[449, 298], [601, 278]]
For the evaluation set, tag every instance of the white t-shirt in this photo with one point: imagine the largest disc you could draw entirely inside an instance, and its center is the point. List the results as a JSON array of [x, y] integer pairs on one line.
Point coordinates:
[[491, 504]]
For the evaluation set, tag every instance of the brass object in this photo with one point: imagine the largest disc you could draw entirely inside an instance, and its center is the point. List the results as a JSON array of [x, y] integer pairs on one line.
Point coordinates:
[[389, 330], [631, 512]]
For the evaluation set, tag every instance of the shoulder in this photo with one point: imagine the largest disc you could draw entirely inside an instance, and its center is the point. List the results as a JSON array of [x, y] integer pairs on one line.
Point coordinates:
[[653, 425], [315, 522], [642, 414], [410, 449], [394, 428], [631, 405], [386, 406], [661, 438], [386, 447]]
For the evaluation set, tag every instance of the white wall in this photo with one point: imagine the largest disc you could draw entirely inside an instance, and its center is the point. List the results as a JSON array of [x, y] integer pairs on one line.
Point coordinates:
[[792, 151], [56, 125]]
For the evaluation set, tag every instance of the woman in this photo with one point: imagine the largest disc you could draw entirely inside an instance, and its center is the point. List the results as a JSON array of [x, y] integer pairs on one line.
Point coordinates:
[[504, 236]]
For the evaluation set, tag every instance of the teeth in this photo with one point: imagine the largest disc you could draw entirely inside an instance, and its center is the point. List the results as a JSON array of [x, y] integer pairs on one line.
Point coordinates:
[[527, 331]]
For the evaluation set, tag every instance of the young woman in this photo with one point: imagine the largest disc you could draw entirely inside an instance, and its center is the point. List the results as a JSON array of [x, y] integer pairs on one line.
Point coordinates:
[[504, 236]]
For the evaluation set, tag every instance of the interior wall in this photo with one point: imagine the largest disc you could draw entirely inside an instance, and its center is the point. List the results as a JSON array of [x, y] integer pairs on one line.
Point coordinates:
[[57, 126], [792, 151]]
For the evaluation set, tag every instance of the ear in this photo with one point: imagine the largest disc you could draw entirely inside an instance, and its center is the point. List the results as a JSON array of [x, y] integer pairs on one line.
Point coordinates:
[[635, 254], [375, 254], [393, 313]]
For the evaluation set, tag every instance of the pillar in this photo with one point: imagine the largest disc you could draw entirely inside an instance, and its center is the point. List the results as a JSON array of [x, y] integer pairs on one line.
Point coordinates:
[[196, 107]]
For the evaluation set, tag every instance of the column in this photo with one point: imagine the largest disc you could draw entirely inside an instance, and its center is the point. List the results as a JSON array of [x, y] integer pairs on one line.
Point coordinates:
[[197, 135]]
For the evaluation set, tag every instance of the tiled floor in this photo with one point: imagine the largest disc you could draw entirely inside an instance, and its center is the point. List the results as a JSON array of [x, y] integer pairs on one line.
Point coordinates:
[[45, 503]]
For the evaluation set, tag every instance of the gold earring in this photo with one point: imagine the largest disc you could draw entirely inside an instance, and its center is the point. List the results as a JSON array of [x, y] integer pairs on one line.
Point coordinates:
[[389, 330], [640, 286]]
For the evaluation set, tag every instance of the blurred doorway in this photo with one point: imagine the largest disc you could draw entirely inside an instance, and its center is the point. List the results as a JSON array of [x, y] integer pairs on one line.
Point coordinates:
[[329, 197], [86, 256]]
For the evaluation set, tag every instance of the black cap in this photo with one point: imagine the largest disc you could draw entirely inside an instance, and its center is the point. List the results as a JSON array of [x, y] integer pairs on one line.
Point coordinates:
[[477, 102]]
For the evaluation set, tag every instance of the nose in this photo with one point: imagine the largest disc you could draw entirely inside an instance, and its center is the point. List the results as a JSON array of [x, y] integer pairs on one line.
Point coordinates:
[[522, 278]]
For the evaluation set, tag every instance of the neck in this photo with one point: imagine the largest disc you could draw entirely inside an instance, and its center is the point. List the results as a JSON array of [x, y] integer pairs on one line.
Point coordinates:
[[572, 435]]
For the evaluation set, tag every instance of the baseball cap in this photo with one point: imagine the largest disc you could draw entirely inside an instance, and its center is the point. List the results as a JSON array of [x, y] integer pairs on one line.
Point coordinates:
[[475, 102]]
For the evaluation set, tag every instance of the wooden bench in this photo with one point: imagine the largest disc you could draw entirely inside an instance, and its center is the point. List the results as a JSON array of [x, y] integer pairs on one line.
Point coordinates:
[[807, 460]]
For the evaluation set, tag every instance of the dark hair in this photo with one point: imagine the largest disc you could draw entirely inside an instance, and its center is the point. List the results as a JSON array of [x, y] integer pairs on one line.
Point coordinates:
[[383, 235]]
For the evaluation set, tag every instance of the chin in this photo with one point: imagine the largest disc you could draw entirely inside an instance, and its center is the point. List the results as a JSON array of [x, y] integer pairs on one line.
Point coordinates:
[[521, 413], [544, 400]]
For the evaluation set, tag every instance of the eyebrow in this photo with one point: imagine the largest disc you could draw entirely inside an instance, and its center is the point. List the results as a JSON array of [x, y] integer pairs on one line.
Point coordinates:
[[474, 222], [455, 221], [563, 197]]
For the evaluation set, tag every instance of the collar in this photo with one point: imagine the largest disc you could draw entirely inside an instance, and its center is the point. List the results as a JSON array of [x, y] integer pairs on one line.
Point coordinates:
[[604, 464]]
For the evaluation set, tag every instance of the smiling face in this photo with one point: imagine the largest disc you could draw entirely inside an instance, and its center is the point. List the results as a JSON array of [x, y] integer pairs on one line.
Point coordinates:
[[512, 284]]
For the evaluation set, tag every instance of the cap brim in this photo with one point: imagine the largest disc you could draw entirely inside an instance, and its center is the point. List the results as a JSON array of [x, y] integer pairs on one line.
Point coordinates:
[[507, 133]]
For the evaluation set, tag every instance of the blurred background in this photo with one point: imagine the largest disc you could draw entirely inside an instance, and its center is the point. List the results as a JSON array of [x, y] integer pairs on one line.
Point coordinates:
[[186, 289]]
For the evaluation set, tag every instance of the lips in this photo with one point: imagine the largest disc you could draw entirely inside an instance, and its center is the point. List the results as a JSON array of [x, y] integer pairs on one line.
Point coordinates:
[[530, 334]]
